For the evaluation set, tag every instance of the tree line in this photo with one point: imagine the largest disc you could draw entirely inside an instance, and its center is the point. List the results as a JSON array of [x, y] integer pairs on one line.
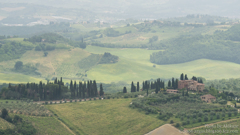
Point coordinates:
[[222, 46], [52, 90]]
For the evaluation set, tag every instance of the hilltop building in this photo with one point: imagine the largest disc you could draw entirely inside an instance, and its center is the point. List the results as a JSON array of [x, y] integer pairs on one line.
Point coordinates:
[[190, 85], [172, 91], [208, 98]]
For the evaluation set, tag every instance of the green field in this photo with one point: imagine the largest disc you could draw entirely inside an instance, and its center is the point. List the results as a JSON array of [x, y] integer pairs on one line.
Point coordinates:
[[220, 128], [134, 65], [105, 117], [46, 125], [5, 125], [17, 78]]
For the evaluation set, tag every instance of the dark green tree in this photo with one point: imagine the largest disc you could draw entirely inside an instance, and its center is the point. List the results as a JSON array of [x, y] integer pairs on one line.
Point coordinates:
[[124, 90], [169, 83], [4, 113], [18, 65], [186, 78], [182, 77], [137, 86], [101, 90]]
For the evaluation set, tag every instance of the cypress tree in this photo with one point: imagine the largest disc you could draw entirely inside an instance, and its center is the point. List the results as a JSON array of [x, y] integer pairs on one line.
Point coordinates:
[[156, 88], [169, 83], [146, 85], [84, 89], [176, 84], [143, 87], [101, 90], [80, 89], [88, 89], [183, 93], [186, 78], [71, 88], [137, 86], [74, 89], [95, 88], [124, 90], [60, 91], [182, 77], [45, 94], [173, 83], [132, 87], [55, 81]]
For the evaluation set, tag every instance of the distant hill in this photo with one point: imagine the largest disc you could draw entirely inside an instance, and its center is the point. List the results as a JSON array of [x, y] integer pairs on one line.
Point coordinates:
[[147, 9]]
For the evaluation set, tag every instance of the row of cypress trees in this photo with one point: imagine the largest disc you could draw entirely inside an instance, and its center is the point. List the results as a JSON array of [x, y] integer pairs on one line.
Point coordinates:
[[86, 89]]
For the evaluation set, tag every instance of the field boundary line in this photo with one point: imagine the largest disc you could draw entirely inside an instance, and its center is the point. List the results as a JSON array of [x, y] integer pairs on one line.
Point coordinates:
[[212, 124], [65, 126]]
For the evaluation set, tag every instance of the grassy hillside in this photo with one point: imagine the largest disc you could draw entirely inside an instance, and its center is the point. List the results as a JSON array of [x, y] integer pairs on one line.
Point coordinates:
[[134, 65], [5, 125], [47, 125], [18, 78], [223, 127], [105, 117]]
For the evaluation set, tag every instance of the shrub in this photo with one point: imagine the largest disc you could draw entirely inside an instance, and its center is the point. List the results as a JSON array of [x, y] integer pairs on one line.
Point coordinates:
[[199, 120], [6, 101], [99, 98], [104, 98], [94, 98], [205, 118], [171, 122], [218, 116], [46, 102], [108, 97], [223, 118], [194, 120], [65, 101], [75, 100], [229, 114], [51, 102], [90, 99], [80, 100], [71, 101], [177, 125], [60, 101], [125, 96], [55, 102], [85, 99]]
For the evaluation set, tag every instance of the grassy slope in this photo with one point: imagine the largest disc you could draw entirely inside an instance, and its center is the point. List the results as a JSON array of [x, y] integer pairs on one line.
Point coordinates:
[[105, 117], [62, 62], [17, 78], [47, 125], [234, 130], [5, 125], [134, 65]]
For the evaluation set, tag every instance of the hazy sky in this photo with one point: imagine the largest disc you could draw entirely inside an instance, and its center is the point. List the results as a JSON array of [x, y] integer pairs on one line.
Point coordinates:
[[143, 8]]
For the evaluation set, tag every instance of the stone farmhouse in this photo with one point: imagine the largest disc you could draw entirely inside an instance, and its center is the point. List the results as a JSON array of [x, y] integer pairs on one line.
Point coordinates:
[[190, 85], [172, 91], [208, 98]]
